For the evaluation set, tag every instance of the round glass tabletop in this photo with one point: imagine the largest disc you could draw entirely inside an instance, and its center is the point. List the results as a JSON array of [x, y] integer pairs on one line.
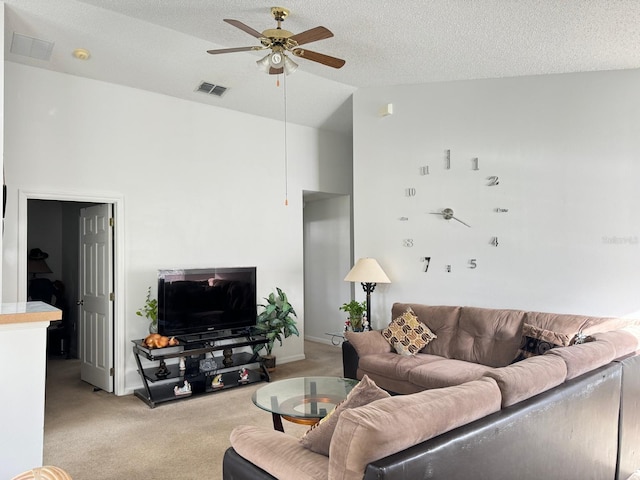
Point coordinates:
[[303, 397]]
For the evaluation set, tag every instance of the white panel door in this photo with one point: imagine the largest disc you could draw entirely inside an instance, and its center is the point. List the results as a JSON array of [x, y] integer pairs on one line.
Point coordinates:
[[96, 311]]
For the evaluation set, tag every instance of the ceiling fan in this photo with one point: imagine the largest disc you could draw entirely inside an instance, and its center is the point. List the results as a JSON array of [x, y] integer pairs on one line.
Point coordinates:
[[281, 41]]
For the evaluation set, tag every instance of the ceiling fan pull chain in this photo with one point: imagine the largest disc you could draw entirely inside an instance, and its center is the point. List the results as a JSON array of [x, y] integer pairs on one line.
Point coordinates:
[[286, 166]]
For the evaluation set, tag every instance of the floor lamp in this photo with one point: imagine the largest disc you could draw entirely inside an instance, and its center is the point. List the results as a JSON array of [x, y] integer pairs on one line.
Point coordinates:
[[368, 272]]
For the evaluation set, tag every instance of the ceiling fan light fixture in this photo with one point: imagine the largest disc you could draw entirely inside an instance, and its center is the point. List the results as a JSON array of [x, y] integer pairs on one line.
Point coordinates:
[[276, 59], [280, 42], [264, 64], [289, 66]]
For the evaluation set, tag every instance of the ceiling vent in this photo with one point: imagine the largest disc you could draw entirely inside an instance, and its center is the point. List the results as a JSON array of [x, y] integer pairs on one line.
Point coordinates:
[[211, 89], [31, 47]]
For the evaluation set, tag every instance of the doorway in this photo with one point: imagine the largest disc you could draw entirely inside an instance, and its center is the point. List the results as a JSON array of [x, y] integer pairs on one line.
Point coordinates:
[[52, 220], [327, 259], [52, 233], [56, 267]]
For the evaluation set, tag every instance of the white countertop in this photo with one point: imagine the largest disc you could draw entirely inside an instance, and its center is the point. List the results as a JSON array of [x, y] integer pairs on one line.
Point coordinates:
[[25, 312]]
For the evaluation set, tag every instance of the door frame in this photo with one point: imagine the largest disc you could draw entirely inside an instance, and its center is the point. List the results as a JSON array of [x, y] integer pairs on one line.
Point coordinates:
[[119, 353]]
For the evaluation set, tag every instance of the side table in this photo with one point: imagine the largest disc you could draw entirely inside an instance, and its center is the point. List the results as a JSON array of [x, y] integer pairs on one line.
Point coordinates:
[[303, 400], [336, 337]]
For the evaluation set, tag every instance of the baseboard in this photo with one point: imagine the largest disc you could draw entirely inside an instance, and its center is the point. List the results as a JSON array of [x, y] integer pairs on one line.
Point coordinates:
[[323, 340], [292, 358]]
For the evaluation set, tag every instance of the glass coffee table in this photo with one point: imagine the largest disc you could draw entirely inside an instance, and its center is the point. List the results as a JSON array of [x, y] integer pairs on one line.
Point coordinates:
[[304, 400]]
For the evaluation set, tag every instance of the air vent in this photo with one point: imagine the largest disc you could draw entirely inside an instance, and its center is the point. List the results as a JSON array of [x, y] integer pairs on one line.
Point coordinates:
[[211, 89], [31, 47]]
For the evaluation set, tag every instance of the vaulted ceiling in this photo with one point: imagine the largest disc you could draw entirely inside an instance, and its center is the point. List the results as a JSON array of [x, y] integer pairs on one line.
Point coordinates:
[[160, 45]]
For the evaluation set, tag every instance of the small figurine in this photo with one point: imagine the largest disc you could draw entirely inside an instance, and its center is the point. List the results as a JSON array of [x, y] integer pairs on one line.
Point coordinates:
[[217, 381], [182, 365], [347, 326], [244, 375], [163, 370], [184, 390]]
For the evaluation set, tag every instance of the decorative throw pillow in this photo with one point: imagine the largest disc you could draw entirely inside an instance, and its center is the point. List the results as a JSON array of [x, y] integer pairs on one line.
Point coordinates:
[[536, 341], [318, 437], [407, 335]]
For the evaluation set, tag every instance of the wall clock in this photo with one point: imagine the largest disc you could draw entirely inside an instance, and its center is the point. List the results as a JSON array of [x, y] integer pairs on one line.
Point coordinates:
[[457, 196]]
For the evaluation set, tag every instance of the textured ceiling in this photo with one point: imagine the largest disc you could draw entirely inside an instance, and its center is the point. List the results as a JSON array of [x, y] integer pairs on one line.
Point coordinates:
[[160, 45]]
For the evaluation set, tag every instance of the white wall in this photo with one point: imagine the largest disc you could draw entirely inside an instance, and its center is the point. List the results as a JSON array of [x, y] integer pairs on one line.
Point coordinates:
[[202, 186], [565, 148], [327, 237], [2, 116]]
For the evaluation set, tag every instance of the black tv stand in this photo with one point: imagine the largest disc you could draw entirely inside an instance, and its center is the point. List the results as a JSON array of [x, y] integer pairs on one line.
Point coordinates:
[[159, 378]]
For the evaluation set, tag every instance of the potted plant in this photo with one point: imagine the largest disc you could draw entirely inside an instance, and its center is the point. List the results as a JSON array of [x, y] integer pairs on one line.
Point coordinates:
[[355, 310], [150, 311], [273, 322]]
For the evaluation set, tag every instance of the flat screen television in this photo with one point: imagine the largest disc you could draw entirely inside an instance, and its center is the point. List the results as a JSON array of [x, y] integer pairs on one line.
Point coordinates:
[[207, 302]]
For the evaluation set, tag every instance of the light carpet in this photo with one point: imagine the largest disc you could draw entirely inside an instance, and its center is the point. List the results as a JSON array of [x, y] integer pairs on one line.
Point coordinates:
[[95, 435]]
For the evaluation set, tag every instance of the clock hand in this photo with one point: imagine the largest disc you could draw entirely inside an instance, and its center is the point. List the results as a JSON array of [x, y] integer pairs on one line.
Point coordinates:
[[447, 214], [465, 224]]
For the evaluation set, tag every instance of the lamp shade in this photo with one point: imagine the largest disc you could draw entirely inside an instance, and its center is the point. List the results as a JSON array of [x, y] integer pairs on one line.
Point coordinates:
[[367, 270], [38, 266]]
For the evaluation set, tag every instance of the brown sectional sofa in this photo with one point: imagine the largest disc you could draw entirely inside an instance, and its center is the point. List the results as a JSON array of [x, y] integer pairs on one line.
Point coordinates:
[[470, 343], [477, 403]]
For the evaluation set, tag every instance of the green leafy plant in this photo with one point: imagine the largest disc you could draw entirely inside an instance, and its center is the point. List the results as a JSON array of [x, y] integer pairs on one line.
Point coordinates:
[[276, 320], [150, 309], [355, 310]]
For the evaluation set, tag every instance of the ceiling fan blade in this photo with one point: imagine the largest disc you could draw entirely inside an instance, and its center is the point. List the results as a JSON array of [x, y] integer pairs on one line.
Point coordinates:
[[231, 50], [276, 71], [312, 35], [319, 57], [243, 27]]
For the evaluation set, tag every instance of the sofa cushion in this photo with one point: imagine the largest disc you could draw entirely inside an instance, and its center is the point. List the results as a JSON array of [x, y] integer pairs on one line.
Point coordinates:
[[445, 373], [406, 334], [624, 341], [392, 384], [566, 326], [488, 336], [544, 331], [290, 461], [563, 326], [529, 377], [368, 343], [395, 366], [584, 357], [318, 437], [391, 371], [442, 321], [396, 423]]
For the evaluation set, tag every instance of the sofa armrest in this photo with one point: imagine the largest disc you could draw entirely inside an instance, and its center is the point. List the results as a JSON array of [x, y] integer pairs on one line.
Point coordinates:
[[629, 430], [350, 361], [234, 467], [359, 344]]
